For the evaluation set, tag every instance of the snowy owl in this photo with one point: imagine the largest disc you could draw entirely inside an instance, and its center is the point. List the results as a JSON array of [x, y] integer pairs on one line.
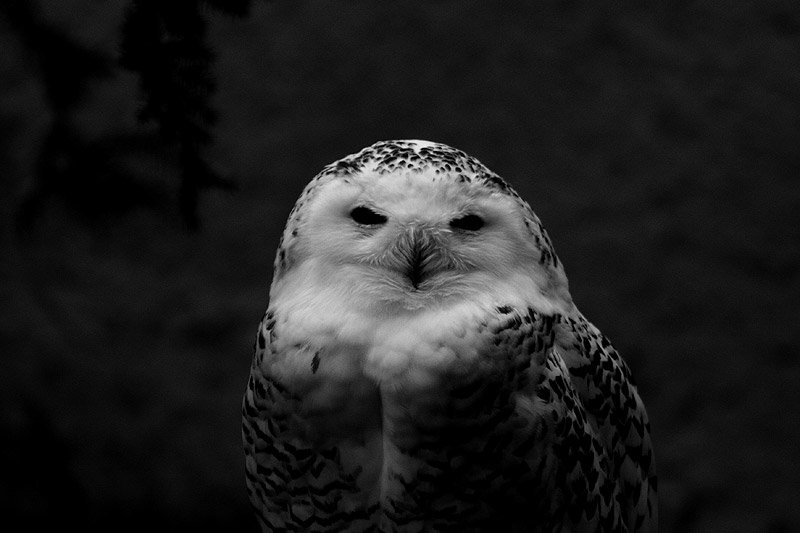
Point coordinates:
[[421, 365]]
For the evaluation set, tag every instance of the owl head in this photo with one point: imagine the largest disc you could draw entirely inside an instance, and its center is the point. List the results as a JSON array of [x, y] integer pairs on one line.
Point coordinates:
[[404, 225]]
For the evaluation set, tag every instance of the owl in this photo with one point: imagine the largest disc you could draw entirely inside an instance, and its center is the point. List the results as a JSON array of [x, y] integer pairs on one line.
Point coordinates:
[[422, 367]]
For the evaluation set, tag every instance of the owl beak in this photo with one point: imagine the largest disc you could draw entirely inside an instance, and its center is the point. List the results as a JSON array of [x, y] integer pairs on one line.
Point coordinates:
[[417, 248]]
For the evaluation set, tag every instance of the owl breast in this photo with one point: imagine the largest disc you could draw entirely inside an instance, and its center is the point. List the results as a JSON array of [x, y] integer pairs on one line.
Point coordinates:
[[403, 350]]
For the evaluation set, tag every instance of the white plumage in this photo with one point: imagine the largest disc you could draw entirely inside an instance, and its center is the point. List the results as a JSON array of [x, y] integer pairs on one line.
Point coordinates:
[[422, 367]]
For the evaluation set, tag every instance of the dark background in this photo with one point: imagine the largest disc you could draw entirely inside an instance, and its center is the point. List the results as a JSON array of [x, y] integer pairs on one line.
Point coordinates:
[[658, 146]]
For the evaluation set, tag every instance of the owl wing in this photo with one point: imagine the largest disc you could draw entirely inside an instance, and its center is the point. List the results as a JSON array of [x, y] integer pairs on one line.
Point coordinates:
[[587, 376], [297, 479], [545, 433]]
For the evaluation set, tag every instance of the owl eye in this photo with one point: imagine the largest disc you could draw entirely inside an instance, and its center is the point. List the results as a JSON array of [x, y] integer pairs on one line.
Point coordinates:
[[367, 217], [467, 222]]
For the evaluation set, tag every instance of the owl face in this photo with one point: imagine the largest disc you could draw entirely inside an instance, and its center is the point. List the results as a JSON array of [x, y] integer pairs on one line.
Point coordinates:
[[414, 237]]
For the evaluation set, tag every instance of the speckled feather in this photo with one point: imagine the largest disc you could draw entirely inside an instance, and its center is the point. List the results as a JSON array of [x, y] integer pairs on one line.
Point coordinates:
[[495, 412]]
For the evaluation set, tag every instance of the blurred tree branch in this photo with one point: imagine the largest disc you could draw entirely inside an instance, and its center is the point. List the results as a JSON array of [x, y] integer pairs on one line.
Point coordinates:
[[65, 68], [165, 43]]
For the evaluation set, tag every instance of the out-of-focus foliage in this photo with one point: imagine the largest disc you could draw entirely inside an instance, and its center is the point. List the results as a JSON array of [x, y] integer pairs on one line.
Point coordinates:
[[165, 43], [657, 144], [83, 174]]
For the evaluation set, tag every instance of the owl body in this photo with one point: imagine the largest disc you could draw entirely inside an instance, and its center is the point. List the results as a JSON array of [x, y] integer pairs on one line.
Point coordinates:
[[421, 366]]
